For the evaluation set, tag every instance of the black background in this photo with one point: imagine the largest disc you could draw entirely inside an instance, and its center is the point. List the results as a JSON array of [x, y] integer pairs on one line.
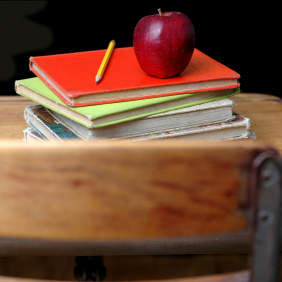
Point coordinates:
[[241, 35]]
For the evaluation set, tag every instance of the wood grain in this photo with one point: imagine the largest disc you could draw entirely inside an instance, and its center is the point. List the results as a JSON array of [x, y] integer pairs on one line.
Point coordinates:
[[255, 97], [119, 190], [12, 122]]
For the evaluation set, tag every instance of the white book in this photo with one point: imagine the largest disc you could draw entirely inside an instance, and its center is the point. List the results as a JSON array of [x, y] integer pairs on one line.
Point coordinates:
[[239, 128]]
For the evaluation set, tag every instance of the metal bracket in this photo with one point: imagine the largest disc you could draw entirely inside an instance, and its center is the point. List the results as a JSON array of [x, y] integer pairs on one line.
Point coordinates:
[[266, 217]]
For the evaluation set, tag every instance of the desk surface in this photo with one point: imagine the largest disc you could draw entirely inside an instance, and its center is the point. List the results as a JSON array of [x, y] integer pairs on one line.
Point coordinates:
[[264, 111]]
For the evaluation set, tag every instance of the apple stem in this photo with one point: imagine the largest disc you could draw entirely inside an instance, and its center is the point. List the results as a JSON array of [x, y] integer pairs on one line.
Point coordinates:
[[160, 11]]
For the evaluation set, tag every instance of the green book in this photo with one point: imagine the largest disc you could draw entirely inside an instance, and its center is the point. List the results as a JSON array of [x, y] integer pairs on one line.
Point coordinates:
[[109, 114]]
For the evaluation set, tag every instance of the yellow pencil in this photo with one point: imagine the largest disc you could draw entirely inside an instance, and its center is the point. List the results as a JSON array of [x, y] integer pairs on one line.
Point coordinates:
[[105, 60]]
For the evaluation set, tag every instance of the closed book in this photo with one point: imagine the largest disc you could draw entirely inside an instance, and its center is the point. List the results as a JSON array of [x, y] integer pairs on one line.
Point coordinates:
[[212, 112], [238, 128], [109, 114], [38, 118], [71, 76]]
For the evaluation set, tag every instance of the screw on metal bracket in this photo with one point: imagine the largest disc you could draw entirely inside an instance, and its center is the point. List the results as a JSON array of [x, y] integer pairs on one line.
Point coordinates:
[[265, 217], [89, 268]]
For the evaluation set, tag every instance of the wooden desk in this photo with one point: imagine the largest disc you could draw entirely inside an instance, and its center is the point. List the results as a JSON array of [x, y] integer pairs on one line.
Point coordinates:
[[264, 111]]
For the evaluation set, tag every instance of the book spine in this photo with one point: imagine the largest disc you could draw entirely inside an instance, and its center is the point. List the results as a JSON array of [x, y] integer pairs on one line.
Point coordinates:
[[64, 100], [44, 120]]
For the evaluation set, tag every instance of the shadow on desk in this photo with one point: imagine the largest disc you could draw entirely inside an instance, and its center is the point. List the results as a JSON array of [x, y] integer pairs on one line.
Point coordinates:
[[124, 267]]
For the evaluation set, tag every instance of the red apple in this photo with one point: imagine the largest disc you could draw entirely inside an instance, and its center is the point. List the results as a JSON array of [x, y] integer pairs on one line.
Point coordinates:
[[164, 43]]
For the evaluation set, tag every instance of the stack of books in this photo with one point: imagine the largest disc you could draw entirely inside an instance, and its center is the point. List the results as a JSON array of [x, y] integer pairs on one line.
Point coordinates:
[[127, 103]]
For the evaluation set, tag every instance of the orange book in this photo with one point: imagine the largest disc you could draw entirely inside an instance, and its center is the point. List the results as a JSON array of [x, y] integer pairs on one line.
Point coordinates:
[[71, 77]]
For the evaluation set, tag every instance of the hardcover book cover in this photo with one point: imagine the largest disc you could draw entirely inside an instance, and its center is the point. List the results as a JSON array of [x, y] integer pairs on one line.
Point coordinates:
[[108, 114], [39, 119], [71, 77]]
